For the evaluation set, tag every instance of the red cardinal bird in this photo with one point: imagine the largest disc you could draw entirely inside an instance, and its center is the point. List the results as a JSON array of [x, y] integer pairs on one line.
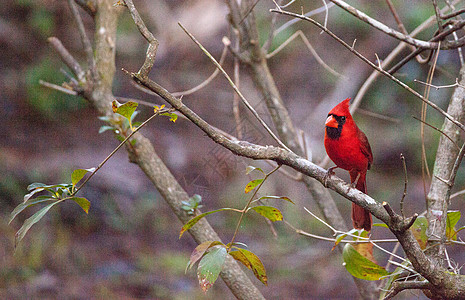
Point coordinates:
[[348, 148]]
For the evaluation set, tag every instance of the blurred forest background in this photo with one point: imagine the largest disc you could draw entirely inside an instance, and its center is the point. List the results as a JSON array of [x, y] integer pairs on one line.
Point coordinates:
[[128, 246]]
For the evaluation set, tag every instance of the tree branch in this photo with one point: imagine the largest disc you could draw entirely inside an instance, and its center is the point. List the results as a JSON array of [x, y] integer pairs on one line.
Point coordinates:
[[396, 34], [374, 66]]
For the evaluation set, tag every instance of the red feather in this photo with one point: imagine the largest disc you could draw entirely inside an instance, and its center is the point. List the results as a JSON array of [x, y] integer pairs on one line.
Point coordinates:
[[348, 148]]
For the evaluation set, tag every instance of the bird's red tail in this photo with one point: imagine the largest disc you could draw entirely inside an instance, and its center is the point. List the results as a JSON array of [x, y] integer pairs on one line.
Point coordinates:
[[361, 217]]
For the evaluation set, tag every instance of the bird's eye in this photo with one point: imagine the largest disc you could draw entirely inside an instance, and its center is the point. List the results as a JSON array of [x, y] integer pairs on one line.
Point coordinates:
[[343, 118]]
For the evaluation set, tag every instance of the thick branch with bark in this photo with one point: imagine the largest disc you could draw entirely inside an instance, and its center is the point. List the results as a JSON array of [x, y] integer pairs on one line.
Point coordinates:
[[446, 157]]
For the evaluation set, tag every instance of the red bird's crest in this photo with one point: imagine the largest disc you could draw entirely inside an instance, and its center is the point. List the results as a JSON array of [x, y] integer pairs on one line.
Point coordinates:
[[342, 109]]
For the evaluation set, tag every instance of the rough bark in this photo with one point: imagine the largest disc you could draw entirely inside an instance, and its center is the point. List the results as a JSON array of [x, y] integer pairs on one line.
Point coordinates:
[[446, 155]]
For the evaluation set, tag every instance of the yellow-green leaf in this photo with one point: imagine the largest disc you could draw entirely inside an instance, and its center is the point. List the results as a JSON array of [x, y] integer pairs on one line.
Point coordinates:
[[78, 174], [276, 198], [269, 212], [83, 203], [126, 109], [251, 185], [251, 261], [359, 266], [419, 231], [452, 219], [194, 221]]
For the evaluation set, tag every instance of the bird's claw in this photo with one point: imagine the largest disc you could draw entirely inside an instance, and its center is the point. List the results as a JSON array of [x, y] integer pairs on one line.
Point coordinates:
[[328, 175], [351, 186]]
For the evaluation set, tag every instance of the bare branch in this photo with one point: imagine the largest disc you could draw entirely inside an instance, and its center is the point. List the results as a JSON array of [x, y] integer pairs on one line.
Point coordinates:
[[67, 58], [153, 42], [358, 54], [437, 129], [58, 88], [300, 34], [206, 81], [402, 158], [82, 33], [394, 33], [398, 287], [244, 100]]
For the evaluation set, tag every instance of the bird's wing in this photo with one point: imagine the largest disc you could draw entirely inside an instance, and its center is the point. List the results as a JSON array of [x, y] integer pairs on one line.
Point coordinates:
[[365, 147]]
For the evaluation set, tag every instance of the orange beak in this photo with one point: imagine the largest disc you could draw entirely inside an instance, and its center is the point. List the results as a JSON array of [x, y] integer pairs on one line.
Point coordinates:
[[331, 122]]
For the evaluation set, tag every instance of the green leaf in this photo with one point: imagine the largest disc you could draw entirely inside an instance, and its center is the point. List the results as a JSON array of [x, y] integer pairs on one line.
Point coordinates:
[[276, 198], [28, 196], [199, 251], [78, 174], [251, 185], [251, 261], [173, 116], [269, 212], [83, 203], [126, 109], [359, 266], [35, 185], [381, 225], [249, 169], [341, 236], [32, 220], [210, 267], [48, 187], [105, 128], [27, 204], [193, 221], [452, 219], [419, 231]]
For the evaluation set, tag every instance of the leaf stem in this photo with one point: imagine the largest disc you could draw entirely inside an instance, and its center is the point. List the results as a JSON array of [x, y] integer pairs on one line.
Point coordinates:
[[116, 149], [244, 211]]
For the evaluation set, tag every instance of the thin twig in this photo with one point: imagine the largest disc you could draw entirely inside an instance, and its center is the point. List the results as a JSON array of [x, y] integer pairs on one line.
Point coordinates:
[[236, 99], [402, 158], [307, 43], [149, 37], [424, 161], [453, 14], [67, 58], [58, 88], [334, 240], [455, 168], [439, 37], [394, 33], [388, 252], [244, 100], [454, 195], [206, 81], [308, 14], [437, 87], [117, 148], [386, 61], [437, 129], [396, 247], [244, 211], [402, 29], [82, 33]]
